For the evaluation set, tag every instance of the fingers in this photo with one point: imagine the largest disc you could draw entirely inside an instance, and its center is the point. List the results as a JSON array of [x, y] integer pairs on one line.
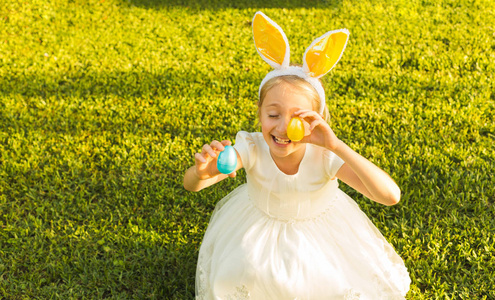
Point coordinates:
[[199, 158], [226, 143], [315, 123], [211, 150], [303, 113], [312, 117], [220, 146]]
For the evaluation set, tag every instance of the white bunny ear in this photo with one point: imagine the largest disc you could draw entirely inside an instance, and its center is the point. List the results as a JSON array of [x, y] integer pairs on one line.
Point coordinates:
[[270, 41], [324, 53]]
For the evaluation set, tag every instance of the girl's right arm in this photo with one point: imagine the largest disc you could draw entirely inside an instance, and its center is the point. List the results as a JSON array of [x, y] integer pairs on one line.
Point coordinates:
[[205, 173]]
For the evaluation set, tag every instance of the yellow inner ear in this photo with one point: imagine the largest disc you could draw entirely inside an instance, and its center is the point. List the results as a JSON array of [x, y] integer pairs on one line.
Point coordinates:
[[268, 40], [325, 54]]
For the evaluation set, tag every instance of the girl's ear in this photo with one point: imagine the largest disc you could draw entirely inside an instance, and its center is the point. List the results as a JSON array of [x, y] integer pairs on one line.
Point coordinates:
[[324, 53], [270, 41]]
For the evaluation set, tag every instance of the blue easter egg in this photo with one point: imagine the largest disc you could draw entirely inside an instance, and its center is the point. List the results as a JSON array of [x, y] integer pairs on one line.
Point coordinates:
[[227, 160]]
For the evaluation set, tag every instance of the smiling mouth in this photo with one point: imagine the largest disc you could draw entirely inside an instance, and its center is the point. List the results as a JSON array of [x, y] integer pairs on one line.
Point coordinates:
[[281, 141]]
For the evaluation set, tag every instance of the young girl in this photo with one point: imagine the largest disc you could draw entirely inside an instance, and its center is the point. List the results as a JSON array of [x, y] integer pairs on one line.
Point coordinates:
[[290, 232]]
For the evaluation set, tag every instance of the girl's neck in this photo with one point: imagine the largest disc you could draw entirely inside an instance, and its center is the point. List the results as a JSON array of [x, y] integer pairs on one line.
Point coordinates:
[[290, 164]]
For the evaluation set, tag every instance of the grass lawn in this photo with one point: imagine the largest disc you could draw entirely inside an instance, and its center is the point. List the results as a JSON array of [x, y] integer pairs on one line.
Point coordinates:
[[103, 104]]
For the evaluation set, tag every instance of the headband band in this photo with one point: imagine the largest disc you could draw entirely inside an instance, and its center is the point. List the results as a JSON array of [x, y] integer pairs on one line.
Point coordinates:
[[320, 57]]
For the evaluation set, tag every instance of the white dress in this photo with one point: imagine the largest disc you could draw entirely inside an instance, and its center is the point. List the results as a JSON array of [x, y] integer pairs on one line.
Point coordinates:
[[296, 236]]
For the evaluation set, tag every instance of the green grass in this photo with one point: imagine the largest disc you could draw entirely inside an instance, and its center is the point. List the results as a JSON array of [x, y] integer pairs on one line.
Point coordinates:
[[104, 103]]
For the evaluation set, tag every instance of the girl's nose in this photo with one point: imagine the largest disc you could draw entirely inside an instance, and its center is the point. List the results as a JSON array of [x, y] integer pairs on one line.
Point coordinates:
[[282, 125]]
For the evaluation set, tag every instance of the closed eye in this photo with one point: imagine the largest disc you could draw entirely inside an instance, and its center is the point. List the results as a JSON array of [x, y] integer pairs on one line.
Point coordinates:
[[273, 116]]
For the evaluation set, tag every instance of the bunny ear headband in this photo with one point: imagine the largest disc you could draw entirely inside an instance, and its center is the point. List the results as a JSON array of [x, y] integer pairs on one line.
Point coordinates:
[[320, 57]]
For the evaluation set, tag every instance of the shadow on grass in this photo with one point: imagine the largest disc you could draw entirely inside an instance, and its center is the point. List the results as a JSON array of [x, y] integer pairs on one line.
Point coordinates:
[[134, 101], [87, 154], [242, 4]]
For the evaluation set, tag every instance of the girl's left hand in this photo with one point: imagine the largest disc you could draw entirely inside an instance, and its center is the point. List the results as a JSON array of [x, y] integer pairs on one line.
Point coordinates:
[[320, 132]]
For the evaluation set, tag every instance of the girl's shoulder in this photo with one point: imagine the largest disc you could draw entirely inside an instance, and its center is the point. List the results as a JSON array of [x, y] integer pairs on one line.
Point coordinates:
[[247, 145], [249, 139], [326, 159]]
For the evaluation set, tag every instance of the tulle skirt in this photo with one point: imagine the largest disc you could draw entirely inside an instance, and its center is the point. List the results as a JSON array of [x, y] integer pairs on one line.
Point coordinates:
[[338, 254]]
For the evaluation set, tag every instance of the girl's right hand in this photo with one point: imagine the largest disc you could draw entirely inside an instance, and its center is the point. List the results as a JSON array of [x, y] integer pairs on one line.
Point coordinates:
[[321, 134], [206, 161]]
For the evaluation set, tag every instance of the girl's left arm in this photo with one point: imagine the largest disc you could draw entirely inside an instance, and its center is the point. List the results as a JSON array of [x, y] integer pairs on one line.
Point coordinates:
[[366, 177]]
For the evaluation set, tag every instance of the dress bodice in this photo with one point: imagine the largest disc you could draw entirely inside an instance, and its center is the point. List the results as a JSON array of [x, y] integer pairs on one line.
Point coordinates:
[[303, 195]]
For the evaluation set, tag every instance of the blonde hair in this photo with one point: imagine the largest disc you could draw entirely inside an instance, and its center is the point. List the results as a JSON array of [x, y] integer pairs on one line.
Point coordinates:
[[301, 85]]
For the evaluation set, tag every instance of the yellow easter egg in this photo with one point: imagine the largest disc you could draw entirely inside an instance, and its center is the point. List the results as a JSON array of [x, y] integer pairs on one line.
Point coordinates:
[[295, 129]]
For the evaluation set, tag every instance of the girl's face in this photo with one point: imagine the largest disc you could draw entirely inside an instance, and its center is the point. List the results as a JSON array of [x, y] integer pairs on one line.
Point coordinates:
[[277, 109]]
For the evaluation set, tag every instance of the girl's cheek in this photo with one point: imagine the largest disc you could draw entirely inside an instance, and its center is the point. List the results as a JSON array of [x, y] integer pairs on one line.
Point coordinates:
[[265, 127], [267, 122]]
